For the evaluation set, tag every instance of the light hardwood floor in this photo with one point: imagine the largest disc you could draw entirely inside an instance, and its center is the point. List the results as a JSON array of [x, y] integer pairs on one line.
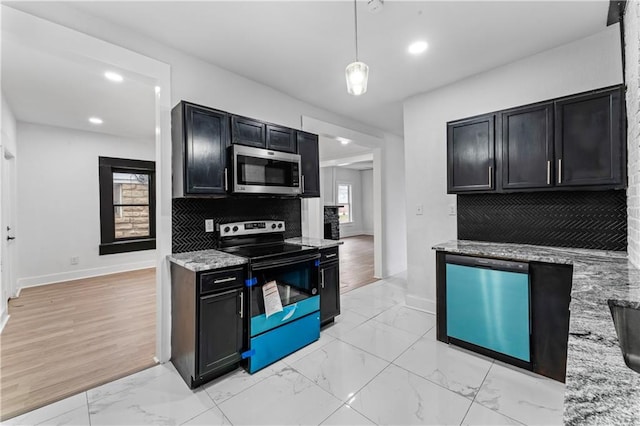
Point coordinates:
[[356, 262], [65, 338]]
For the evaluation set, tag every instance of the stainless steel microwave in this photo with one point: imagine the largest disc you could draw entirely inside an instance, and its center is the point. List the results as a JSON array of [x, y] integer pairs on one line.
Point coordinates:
[[262, 171]]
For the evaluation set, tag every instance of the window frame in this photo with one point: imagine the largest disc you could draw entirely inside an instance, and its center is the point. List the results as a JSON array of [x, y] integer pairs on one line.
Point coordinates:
[[350, 203], [109, 244]]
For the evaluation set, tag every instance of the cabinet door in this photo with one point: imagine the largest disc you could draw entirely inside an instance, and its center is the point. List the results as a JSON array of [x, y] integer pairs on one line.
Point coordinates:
[[281, 138], [329, 291], [246, 131], [207, 137], [220, 335], [589, 139], [308, 150], [527, 147], [470, 154]]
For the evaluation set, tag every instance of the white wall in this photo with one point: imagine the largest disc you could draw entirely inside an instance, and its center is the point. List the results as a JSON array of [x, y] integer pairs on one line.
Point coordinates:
[[632, 73], [366, 177], [58, 203], [582, 65], [7, 147]]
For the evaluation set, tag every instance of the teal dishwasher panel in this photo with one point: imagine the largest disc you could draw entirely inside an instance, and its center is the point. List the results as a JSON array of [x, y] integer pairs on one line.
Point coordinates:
[[489, 308]]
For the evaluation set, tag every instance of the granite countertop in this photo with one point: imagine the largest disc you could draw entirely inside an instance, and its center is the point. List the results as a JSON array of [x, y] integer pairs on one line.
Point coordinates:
[[600, 388], [203, 260], [313, 242]]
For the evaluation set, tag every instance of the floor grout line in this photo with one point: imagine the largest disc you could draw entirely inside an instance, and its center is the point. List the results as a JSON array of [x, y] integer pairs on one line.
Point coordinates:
[[86, 396]]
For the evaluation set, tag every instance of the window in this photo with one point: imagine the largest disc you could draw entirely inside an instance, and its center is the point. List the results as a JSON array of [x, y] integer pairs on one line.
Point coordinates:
[[127, 205], [344, 199]]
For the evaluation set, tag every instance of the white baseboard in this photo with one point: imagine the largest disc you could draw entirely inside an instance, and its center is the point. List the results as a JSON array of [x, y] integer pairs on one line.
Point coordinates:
[[81, 274], [3, 320], [421, 303]]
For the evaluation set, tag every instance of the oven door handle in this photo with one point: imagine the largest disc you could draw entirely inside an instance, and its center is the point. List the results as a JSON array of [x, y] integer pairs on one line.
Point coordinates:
[[284, 262]]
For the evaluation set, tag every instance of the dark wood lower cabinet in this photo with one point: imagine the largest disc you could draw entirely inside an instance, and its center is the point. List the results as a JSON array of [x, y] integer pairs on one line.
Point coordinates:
[[207, 322], [329, 285], [550, 295]]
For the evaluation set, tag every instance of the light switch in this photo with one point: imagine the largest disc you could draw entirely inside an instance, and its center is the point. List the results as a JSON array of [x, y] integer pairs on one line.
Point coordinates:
[[208, 225], [419, 209]]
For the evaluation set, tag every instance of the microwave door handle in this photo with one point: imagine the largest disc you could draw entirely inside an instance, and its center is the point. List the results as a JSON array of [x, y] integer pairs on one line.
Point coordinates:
[[226, 180]]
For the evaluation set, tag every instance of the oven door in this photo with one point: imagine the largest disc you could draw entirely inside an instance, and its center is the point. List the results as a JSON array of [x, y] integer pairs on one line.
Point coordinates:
[[261, 171], [297, 281]]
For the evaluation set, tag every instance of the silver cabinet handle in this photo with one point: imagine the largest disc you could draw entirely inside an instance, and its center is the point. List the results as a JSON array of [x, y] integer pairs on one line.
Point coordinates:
[[302, 187], [548, 172], [241, 304], [331, 255], [322, 277], [224, 280], [490, 176], [559, 170], [226, 181]]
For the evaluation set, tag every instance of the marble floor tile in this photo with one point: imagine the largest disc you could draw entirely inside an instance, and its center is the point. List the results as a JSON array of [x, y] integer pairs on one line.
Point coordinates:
[[130, 382], [165, 400], [50, 411], [365, 303], [344, 323], [380, 339], [457, 370], [282, 399], [480, 415], [523, 396], [211, 417], [347, 416], [340, 368], [324, 339], [397, 396], [407, 319], [231, 384], [390, 292], [77, 417]]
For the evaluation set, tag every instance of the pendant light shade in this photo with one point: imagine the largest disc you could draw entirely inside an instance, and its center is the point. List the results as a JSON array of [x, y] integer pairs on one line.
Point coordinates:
[[357, 73]]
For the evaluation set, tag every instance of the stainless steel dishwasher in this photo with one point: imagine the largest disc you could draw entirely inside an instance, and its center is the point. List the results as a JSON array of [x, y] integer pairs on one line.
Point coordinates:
[[488, 304]]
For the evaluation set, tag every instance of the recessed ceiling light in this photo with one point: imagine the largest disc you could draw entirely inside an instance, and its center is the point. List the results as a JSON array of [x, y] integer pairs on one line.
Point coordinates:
[[417, 47], [343, 141], [95, 120], [113, 76], [344, 164]]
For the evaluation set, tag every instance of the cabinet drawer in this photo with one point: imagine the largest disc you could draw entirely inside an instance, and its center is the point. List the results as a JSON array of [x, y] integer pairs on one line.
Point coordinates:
[[221, 280], [329, 254]]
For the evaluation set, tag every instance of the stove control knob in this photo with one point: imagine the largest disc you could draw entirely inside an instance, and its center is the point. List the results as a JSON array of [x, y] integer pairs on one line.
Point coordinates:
[[279, 225], [273, 226], [227, 229], [235, 228]]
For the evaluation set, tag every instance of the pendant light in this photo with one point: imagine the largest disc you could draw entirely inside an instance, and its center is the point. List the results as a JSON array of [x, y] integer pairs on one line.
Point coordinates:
[[357, 72]]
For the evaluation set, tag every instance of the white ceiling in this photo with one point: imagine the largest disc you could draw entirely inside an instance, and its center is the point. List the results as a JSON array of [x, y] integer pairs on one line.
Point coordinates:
[[302, 47], [50, 88]]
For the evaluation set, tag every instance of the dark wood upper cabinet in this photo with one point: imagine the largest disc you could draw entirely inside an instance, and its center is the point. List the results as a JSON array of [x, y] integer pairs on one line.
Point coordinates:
[[281, 138], [200, 137], [310, 159], [527, 147], [470, 154], [589, 139], [246, 131]]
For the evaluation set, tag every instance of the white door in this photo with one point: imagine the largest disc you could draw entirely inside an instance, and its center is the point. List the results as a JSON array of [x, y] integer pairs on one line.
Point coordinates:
[[7, 225]]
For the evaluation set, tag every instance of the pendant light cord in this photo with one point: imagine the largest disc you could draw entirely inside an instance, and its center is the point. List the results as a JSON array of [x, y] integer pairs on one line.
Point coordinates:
[[355, 16]]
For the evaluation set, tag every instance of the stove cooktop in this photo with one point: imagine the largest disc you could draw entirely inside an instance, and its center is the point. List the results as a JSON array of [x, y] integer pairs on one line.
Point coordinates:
[[264, 251]]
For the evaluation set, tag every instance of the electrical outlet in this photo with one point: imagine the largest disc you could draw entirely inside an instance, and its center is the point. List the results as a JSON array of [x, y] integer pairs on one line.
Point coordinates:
[[208, 225], [452, 210], [74, 260], [419, 209]]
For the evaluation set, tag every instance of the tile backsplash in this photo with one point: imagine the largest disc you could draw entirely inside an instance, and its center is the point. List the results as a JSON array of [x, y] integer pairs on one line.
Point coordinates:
[[581, 219], [189, 214]]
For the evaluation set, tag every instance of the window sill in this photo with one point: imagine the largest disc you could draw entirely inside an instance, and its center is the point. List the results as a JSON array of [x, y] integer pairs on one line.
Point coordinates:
[[127, 246]]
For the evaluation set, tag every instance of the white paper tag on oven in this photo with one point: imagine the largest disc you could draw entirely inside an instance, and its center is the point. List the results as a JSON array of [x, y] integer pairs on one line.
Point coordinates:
[[272, 302]]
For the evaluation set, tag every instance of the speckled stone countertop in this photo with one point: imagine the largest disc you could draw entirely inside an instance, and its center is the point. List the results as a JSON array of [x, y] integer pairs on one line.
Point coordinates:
[[600, 388], [313, 242], [203, 260]]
